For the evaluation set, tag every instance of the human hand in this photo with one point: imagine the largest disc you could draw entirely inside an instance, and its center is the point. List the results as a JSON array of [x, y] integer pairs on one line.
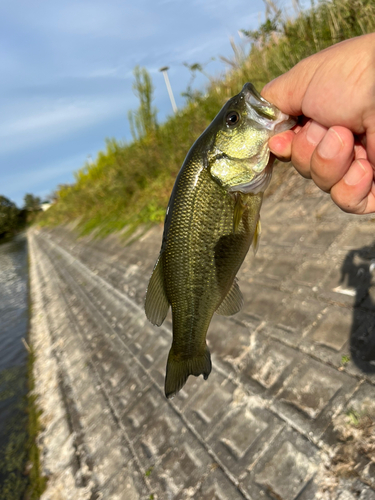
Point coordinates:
[[335, 146]]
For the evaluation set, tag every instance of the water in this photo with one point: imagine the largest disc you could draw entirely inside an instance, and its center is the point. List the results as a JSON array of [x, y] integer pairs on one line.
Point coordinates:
[[13, 367]]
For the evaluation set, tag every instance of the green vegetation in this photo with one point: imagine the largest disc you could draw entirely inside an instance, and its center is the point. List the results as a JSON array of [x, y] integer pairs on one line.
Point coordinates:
[[31, 202], [13, 219], [37, 482], [143, 121], [354, 416], [20, 475], [148, 472], [129, 184], [13, 453], [345, 360]]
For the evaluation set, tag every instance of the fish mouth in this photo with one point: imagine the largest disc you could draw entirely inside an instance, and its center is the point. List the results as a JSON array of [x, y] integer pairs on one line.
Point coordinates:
[[264, 113], [285, 122]]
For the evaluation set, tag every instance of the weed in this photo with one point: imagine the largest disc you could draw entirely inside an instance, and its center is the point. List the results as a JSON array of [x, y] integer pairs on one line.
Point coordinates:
[[353, 416], [345, 360]]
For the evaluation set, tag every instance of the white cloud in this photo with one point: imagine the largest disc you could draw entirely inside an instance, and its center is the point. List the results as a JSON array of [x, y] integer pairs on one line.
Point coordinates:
[[55, 120], [30, 181], [116, 19]]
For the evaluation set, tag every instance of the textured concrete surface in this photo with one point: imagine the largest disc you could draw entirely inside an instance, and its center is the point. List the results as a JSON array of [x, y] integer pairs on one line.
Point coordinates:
[[288, 411]]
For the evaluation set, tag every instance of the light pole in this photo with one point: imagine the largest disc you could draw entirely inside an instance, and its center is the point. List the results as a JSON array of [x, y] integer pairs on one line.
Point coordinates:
[[164, 70]]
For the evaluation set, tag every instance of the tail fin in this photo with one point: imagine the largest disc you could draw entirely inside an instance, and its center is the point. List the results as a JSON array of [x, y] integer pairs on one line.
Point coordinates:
[[178, 370]]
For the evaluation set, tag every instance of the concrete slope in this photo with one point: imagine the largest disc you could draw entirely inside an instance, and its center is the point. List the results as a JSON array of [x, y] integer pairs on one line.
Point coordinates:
[[288, 411]]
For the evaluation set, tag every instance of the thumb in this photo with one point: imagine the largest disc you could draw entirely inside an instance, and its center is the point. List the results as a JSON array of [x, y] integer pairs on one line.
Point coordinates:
[[288, 90]]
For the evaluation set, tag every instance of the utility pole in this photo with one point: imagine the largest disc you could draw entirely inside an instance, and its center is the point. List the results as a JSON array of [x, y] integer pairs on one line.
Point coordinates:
[[164, 70]]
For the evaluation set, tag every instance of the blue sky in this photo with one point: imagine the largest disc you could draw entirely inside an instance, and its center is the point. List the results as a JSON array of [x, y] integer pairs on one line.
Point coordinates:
[[66, 75]]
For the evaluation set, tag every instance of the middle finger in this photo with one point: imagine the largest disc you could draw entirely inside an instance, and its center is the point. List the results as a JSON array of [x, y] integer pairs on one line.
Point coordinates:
[[304, 144], [332, 157]]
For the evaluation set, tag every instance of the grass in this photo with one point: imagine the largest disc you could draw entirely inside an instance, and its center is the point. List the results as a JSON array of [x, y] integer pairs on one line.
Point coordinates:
[[148, 472], [13, 454], [345, 360], [129, 183], [37, 482], [20, 472], [353, 416], [355, 451]]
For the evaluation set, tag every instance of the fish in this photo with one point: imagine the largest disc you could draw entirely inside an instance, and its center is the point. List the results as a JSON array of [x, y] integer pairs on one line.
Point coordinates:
[[211, 221]]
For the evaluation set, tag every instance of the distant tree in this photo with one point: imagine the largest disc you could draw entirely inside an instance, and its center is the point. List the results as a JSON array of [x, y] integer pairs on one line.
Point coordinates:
[[143, 121], [9, 218], [31, 202], [52, 197]]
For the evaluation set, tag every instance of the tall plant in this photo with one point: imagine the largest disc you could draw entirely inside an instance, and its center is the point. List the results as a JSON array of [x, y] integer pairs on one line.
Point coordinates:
[[143, 121]]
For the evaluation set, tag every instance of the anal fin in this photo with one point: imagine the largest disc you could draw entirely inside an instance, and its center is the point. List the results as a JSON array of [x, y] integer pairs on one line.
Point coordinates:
[[156, 302], [232, 302]]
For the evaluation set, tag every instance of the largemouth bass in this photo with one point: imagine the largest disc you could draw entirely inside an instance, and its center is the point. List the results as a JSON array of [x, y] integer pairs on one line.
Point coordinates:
[[212, 218]]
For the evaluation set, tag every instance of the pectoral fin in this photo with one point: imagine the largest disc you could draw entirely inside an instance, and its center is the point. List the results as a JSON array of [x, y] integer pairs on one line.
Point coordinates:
[[256, 237], [232, 302], [239, 209], [156, 303], [258, 184]]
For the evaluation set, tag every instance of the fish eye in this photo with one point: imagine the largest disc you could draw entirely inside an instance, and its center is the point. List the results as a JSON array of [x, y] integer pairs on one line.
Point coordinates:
[[232, 118]]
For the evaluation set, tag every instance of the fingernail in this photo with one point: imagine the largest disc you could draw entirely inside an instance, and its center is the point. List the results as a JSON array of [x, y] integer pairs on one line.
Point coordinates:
[[331, 145], [354, 174], [315, 133]]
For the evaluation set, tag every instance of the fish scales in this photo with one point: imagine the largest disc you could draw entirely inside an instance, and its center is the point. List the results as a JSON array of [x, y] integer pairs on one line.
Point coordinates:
[[212, 219], [194, 282]]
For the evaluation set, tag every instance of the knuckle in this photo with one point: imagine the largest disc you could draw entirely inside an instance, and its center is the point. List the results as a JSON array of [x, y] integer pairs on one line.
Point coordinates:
[[348, 203]]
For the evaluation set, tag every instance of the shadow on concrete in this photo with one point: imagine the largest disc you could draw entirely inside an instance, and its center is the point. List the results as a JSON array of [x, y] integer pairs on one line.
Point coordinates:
[[358, 276]]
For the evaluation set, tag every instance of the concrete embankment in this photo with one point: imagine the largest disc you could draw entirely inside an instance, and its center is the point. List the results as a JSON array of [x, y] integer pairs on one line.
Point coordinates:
[[288, 411]]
